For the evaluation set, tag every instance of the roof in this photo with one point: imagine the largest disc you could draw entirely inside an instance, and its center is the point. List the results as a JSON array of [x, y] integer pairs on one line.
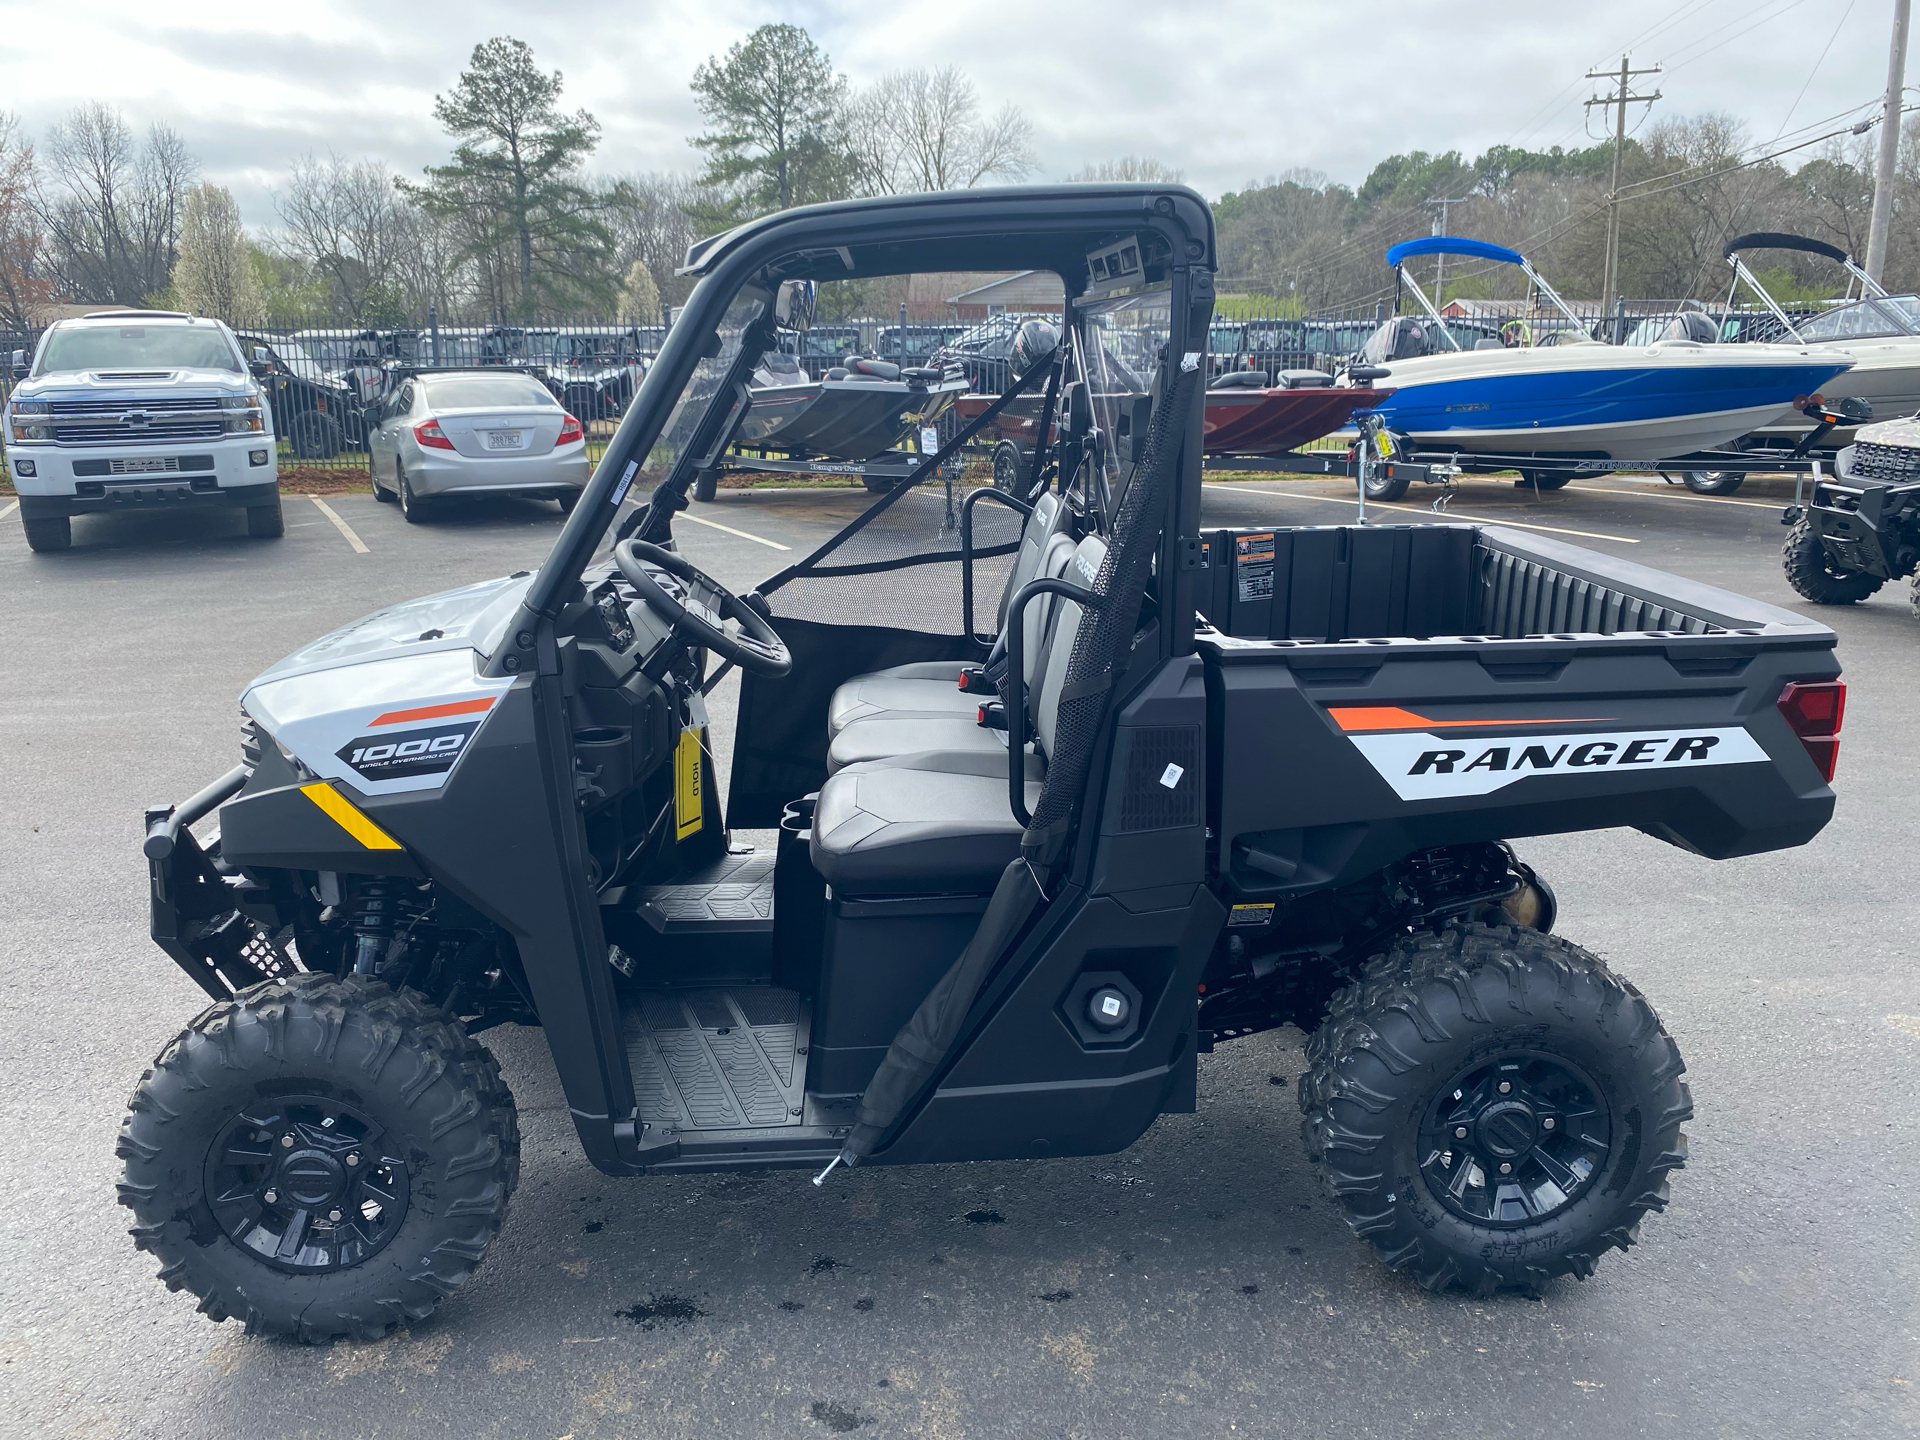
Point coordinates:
[[1014, 227], [1023, 285]]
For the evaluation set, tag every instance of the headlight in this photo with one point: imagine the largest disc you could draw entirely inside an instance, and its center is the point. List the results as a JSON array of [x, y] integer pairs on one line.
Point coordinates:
[[32, 407], [32, 432], [240, 402], [251, 422]]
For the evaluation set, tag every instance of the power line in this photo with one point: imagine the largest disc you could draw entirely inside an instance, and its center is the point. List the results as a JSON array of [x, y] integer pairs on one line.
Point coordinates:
[[1619, 100]]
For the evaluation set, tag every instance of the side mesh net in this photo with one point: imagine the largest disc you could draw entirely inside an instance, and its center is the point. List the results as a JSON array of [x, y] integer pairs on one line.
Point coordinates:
[[903, 569], [1106, 632]]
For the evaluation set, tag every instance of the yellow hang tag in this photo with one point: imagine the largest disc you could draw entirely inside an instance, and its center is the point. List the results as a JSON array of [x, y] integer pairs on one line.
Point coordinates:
[[689, 811], [1384, 443]]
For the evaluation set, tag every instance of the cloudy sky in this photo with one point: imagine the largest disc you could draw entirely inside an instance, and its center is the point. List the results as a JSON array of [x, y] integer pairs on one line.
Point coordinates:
[[1228, 90]]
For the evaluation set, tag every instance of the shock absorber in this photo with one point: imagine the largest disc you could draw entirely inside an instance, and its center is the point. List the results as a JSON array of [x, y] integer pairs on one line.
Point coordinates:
[[374, 914]]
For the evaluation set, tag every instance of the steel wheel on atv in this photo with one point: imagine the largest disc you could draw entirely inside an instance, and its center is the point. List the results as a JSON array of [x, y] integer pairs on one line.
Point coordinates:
[[1492, 1107], [320, 1156], [1009, 467], [316, 436]]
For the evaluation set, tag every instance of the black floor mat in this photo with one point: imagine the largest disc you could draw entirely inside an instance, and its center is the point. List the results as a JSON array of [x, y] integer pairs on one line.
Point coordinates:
[[736, 893], [723, 1058]]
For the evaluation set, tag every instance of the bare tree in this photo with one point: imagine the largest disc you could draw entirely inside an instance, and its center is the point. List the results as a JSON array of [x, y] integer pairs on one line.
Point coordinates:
[[346, 221], [654, 219], [921, 130], [111, 206], [1131, 167], [23, 285]]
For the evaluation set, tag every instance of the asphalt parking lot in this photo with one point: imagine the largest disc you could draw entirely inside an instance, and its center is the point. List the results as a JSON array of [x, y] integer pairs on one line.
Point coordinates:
[[1196, 1285]]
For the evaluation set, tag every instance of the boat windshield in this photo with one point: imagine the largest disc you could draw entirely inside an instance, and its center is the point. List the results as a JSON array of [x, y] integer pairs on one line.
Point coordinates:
[[1869, 319]]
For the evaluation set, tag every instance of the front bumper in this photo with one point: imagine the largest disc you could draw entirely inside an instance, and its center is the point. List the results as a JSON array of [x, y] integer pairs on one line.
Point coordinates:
[[150, 493], [196, 909]]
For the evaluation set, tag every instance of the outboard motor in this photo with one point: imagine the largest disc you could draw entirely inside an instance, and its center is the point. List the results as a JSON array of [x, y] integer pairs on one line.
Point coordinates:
[[1034, 342], [1401, 338]]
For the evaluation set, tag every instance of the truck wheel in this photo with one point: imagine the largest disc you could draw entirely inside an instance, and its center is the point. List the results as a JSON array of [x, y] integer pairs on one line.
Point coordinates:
[[315, 436], [53, 533], [413, 507], [706, 484], [1713, 482], [1009, 466], [1492, 1107], [320, 1157], [266, 522], [1384, 485], [1812, 571]]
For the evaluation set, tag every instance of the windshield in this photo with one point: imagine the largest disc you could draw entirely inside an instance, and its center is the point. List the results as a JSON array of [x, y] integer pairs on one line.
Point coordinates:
[[1125, 340], [136, 347], [701, 386], [1865, 320], [459, 392]]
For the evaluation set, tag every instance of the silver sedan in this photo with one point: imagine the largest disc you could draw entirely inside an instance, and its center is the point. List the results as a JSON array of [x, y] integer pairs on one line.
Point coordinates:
[[473, 432]]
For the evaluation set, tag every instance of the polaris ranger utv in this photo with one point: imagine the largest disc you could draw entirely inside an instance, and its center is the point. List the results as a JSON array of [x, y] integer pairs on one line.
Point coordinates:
[[1200, 784], [1862, 528]]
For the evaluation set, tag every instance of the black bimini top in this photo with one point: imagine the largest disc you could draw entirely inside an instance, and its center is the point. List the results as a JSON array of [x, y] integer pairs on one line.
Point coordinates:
[[1774, 240], [1015, 227]]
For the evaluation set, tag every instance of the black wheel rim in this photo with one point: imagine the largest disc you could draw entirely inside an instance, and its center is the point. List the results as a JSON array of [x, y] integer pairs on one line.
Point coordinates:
[[1005, 472], [1515, 1139], [306, 1184]]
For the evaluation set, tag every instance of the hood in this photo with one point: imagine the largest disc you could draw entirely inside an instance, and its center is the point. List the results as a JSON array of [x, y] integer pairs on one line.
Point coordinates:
[[470, 618], [81, 383], [1904, 433]]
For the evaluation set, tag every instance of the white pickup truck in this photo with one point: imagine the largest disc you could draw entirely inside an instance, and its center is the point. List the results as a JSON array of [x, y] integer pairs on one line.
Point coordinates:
[[138, 410]]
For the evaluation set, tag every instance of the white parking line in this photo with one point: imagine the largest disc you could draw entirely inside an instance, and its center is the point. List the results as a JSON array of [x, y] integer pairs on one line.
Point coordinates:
[[1680, 494], [9, 510], [359, 545], [1243, 489], [758, 540]]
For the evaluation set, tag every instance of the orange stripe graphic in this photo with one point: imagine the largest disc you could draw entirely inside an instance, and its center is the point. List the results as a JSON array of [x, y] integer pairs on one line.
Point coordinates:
[[1392, 717], [434, 712]]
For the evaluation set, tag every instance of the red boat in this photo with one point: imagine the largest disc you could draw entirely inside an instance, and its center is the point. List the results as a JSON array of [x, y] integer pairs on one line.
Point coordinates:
[[1239, 420]]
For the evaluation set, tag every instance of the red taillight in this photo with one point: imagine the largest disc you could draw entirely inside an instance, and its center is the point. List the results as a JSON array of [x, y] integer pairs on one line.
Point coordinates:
[[1814, 710], [570, 431], [429, 434]]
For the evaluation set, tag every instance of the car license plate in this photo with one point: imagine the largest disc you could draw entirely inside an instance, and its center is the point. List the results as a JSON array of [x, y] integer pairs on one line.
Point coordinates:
[[505, 439], [141, 467]]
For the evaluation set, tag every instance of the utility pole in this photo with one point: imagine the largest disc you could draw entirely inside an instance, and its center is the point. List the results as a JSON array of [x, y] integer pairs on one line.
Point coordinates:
[[1620, 99], [1440, 228], [1889, 145]]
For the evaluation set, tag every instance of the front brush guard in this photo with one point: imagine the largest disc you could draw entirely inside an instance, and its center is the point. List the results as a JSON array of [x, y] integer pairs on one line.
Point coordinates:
[[196, 914]]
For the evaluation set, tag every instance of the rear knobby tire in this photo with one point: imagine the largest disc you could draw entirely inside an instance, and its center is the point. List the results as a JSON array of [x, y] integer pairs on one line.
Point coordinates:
[[1422, 1022], [266, 522], [55, 532], [1811, 571], [406, 1066]]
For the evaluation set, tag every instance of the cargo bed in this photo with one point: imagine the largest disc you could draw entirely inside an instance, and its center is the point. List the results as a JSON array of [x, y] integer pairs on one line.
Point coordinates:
[[1382, 690]]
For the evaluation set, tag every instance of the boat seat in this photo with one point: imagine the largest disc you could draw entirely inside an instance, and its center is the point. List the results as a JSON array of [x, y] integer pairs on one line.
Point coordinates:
[[903, 728], [937, 822], [1240, 380], [1304, 379], [932, 687]]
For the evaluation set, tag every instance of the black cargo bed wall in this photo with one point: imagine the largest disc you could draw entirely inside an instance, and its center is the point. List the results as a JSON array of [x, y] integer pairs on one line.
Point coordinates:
[[1378, 582], [1339, 582]]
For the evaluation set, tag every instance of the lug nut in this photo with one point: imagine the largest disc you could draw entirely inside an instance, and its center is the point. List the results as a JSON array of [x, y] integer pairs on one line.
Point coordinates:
[[1547, 1124], [287, 1141], [1459, 1132], [1505, 1168], [333, 1215], [1506, 1087], [272, 1197], [354, 1159]]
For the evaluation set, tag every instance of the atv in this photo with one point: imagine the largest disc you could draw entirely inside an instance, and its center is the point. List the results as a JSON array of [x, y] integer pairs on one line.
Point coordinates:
[[1180, 786], [1861, 529]]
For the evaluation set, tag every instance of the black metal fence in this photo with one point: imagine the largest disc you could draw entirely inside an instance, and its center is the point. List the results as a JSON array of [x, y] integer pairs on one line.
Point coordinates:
[[321, 380]]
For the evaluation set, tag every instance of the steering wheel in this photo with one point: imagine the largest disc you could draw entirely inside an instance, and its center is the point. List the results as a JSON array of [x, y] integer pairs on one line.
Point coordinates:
[[699, 616]]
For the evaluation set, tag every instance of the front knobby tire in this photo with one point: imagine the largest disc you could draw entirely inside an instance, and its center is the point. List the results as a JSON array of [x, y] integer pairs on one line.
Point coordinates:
[[304, 1099], [1812, 573], [1418, 1050]]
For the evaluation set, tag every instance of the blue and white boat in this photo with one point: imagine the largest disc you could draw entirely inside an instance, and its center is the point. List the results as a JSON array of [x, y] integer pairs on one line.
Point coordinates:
[[1566, 396]]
